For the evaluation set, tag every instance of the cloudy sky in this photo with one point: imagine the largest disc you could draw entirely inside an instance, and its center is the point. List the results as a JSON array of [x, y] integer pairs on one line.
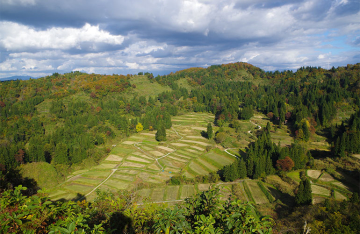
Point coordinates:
[[40, 37]]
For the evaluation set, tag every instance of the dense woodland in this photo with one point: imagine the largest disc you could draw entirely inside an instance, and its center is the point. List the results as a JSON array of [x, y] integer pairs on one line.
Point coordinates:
[[66, 119]]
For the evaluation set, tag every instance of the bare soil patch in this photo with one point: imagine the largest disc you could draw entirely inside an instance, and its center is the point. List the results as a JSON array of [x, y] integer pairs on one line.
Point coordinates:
[[317, 200], [156, 153], [126, 171], [339, 196], [115, 158], [177, 159], [196, 142], [199, 128], [195, 137], [165, 148], [143, 155], [192, 151], [131, 164], [148, 134], [154, 167], [137, 159], [320, 190], [179, 144], [313, 173], [128, 142], [197, 147], [203, 187], [326, 177]]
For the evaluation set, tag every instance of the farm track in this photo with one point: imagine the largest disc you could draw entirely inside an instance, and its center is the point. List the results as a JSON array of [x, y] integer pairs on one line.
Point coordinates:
[[255, 125], [113, 171], [136, 146], [226, 150]]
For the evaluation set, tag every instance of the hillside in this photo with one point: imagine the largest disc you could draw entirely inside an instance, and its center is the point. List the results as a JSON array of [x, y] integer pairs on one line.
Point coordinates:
[[270, 132]]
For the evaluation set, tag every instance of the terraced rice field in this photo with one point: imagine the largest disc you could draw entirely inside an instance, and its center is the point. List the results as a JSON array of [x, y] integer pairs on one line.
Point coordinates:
[[141, 159], [256, 192]]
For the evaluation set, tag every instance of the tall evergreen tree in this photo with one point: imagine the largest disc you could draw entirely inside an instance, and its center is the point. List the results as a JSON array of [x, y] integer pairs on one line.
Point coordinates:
[[209, 131], [160, 135], [242, 169]]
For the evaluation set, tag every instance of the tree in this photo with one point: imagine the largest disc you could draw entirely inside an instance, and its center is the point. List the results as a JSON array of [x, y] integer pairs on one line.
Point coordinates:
[[242, 169], [285, 164], [61, 154], [209, 131], [220, 137], [160, 135], [304, 193], [139, 127]]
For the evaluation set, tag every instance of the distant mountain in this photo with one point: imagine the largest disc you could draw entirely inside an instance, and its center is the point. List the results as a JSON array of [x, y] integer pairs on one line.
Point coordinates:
[[16, 78]]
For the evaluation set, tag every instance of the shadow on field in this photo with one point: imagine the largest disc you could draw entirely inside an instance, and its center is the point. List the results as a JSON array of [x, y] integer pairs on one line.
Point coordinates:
[[204, 134], [318, 154], [121, 223], [13, 178], [287, 201]]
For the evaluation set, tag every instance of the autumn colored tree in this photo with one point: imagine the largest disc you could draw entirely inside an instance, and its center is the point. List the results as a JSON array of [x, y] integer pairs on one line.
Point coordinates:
[[285, 164], [139, 127]]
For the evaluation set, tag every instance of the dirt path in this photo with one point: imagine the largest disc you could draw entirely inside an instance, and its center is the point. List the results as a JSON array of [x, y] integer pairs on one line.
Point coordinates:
[[113, 171], [231, 153], [255, 125]]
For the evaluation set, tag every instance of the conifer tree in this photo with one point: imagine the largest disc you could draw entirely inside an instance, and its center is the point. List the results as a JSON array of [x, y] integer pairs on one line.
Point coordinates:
[[209, 131], [307, 192], [242, 169], [160, 135], [299, 197]]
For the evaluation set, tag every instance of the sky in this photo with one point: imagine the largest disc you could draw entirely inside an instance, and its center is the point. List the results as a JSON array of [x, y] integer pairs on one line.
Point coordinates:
[[40, 37]]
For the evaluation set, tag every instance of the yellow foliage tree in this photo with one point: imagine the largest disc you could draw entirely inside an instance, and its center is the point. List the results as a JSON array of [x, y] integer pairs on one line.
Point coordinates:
[[139, 127]]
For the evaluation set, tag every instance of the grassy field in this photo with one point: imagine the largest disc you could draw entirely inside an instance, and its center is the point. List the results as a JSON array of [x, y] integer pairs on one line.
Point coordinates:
[[256, 192]]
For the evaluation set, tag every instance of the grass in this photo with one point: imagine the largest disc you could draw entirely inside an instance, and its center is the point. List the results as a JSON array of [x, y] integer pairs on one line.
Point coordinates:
[[238, 191], [187, 191], [79, 188], [142, 87], [265, 191], [295, 175], [43, 173], [172, 193], [319, 190], [218, 158], [158, 194], [118, 184], [248, 193], [198, 168], [258, 196]]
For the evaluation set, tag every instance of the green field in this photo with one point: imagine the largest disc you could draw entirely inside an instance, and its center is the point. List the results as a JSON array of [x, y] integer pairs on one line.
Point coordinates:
[[256, 192]]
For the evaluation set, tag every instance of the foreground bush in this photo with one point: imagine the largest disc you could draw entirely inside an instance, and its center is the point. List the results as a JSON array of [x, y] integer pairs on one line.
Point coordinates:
[[118, 213]]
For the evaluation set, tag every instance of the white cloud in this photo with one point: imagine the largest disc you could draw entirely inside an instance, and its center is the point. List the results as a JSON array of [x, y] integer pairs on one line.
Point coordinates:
[[14, 36], [17, 2]]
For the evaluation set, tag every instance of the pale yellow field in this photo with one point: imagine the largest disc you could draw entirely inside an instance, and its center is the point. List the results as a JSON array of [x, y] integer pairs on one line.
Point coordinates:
[[196, 142], [113, 157], [156, 153], [313, 173], [320, 190], [165, 148], [137, 159], [179, 144], [131, 164]]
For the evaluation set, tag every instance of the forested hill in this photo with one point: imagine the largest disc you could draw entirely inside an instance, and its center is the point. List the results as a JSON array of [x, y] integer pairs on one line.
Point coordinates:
[[68, 122], [61, 118]]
